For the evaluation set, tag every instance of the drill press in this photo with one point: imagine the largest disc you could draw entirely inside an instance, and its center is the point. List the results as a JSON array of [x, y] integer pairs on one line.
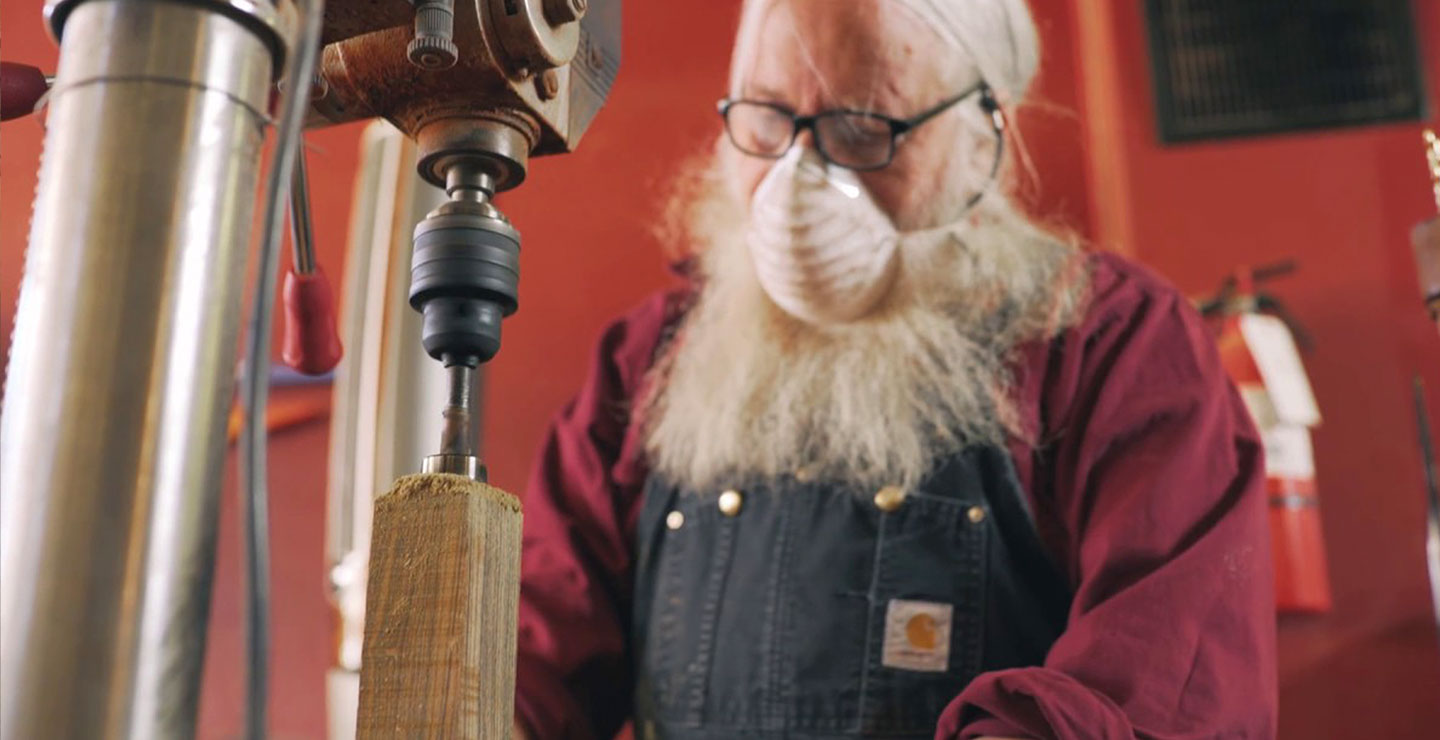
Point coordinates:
[[481, 86], [143, 208]]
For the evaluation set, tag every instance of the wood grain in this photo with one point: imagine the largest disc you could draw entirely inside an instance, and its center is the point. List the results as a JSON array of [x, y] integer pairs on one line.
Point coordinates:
[[440, 611]]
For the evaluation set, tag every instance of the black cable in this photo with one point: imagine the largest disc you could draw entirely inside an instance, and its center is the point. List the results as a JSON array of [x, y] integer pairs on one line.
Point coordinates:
[[255, 387]]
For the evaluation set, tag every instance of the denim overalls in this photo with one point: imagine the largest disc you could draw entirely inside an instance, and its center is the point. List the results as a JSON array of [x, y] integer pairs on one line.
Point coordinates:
[[798, 609]]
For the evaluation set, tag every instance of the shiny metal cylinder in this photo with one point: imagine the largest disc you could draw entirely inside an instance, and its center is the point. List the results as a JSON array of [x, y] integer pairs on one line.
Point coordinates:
[[454, 464], [382, 419], [455, 433], [120, 379], [302, 230]]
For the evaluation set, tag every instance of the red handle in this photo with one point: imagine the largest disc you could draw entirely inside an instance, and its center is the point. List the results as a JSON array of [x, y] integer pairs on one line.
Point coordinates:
[[21, 87], [310, 344]]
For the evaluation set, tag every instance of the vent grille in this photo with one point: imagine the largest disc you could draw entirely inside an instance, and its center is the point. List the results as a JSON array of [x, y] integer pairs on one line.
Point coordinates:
[[1236, 67]]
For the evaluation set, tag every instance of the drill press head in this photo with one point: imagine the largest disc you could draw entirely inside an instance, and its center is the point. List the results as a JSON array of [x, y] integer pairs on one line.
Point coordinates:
[[518, 78], [481, 85], [541, 68]]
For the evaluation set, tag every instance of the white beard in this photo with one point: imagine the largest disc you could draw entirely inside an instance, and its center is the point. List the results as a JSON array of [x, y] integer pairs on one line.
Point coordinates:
[[747, 390]]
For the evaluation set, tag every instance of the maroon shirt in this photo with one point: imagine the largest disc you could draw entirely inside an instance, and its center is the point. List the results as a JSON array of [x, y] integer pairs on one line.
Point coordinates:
[[1147, 487]]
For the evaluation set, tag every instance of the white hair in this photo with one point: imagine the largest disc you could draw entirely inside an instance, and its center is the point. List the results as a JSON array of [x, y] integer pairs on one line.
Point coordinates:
[[997, 36]]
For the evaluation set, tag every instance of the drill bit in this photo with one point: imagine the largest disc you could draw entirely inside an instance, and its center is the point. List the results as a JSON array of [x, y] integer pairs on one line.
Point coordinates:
[[455, 437], [457, 445]]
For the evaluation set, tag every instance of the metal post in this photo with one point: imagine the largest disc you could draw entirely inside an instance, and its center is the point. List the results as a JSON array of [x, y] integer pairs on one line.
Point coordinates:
[[121, 375]]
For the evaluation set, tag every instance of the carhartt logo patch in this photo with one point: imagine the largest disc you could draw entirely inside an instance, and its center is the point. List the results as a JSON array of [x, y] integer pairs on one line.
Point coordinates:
[[917, 635]]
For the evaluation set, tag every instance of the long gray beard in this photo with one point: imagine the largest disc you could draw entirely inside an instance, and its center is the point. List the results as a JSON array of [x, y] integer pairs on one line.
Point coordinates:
[[747, 390]]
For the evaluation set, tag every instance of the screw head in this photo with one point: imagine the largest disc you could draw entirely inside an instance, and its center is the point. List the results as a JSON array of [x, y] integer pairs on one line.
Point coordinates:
[[432, 52]]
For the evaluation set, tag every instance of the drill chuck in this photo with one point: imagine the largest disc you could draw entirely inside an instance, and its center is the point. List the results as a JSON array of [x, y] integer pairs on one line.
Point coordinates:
[[464, 276]]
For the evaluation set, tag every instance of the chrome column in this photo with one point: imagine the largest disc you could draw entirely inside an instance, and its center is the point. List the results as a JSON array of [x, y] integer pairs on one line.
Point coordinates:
[[121, 375], [387, 390]]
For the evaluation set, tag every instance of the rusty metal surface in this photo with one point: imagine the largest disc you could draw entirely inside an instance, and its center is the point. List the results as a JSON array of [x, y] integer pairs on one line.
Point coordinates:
[[345, 19], [370, 76]]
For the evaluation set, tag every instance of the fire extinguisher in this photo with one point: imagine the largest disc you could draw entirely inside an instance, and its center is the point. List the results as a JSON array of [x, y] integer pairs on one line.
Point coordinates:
[[1260, 349]]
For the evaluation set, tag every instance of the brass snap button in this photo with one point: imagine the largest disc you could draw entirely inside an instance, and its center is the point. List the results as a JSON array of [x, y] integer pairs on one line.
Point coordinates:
[[675, 520], [730, 502], [976, 514], [889, 498]]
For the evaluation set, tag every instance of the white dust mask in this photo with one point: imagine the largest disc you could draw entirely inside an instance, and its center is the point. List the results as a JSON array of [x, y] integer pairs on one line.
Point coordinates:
[[822, 249]]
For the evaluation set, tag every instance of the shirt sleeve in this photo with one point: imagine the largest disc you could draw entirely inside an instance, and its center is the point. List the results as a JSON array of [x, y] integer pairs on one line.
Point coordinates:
[[1158, 485], [573, 675]]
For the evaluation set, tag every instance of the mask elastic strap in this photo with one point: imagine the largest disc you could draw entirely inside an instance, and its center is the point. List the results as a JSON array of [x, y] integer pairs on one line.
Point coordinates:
[[997, 124]]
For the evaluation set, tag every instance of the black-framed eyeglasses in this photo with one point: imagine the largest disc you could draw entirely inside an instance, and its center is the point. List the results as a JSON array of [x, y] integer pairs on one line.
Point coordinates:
[[856, 140]]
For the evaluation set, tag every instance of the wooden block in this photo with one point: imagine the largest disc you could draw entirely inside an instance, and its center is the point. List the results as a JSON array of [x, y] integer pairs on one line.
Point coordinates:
[[440, 611]]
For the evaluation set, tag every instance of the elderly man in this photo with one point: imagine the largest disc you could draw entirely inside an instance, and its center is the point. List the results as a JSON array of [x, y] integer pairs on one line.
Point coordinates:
[[897, 462]]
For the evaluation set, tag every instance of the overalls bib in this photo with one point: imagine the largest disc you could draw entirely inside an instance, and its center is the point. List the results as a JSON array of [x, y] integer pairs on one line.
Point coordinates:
[[794, 609]]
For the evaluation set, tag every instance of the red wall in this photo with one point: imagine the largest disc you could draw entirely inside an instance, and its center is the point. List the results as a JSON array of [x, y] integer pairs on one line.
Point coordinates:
[[1341, 202]]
